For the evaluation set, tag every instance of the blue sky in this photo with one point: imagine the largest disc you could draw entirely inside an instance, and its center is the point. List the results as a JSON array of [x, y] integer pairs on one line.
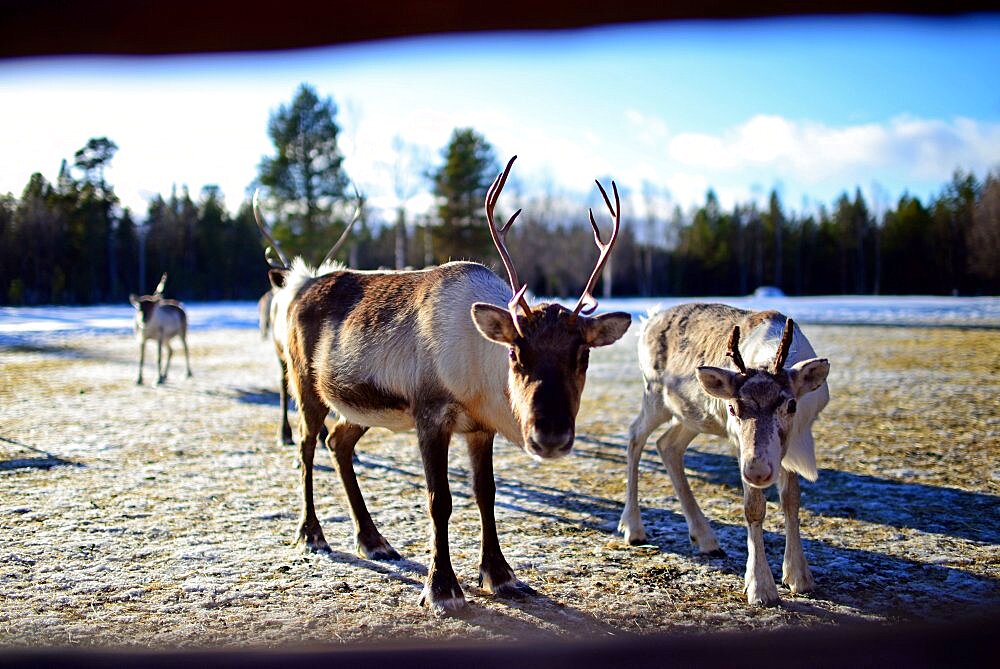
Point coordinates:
[[812, 107]]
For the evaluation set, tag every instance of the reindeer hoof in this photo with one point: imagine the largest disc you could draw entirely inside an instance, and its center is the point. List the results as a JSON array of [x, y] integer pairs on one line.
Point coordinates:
[[798, 581], [312, 541], [762, 595], [633, 535], [383, 552], [503, 583], [514, 589], [450, 601]]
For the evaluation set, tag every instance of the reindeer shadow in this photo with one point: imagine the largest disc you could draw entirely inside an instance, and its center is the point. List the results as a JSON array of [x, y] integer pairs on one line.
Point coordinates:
[[35, 458], [412, 574], [260, 396], [840, 494], [863, 580]]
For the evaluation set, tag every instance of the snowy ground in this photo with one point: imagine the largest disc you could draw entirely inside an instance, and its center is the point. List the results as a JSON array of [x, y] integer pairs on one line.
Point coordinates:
[[19, 324], [161, 516]]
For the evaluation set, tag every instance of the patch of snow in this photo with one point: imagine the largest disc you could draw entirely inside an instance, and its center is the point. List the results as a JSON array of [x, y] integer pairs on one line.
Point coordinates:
[[20, 324]]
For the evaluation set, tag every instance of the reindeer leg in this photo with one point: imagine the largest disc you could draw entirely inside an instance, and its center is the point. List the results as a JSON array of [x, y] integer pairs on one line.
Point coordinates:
[[651, 416], [672, 446], [170, 357], [441, 592], [495, 575], [187, 357], [142, 358], [758, 580], [285, 429], [369, 542], [310, 534], [794, 569], [159, 361]]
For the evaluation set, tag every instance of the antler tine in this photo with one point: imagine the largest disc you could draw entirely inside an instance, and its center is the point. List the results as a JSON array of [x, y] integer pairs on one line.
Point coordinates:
[[161, 285], [500, 241], [271, 260], [784, 347], [343, 236], [733, 350], [266, 232], [587, 302]]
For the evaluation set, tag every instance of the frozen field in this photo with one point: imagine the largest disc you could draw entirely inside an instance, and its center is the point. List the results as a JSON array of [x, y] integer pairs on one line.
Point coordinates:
[[29, 323], [161, 516]]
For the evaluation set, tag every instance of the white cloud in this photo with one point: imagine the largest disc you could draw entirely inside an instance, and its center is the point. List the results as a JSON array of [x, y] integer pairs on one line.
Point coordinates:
[[650, 130], [811, 152]]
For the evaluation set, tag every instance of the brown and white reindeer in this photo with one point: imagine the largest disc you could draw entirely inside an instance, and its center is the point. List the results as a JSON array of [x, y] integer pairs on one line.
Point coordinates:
[[765, 406], [160, 319], [445, 351], [272, 319]]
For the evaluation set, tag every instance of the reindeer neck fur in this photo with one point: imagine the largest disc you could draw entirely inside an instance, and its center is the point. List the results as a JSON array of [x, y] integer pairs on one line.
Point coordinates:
[[299, 275]]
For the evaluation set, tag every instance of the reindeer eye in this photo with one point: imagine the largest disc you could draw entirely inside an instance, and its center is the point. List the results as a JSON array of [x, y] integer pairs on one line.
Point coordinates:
[[511, 354], [732, 410], [791, 406]]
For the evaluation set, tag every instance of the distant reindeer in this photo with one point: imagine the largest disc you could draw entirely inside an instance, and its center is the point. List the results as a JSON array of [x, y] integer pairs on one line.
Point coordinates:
[[418, 349], [765, 408], [162, 320], [264, 314], [272, 319]]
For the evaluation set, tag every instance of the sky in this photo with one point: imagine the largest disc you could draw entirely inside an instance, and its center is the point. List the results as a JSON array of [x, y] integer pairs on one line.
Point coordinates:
[[810, 107]]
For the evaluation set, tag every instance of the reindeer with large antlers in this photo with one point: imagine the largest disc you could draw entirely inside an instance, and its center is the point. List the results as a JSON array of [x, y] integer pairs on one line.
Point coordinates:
[[765, 407], [418, 349], [162, 320]]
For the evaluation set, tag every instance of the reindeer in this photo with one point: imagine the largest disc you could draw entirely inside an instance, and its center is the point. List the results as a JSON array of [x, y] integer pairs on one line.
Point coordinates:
[[162, 320], [264, 314], [765, 408], [443, 351], [272, 319]]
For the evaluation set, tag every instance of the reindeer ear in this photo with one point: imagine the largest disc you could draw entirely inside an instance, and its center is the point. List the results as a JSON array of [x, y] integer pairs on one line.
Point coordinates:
[[718, 382], [606, 329], [808, 375], [494, 323], [277, 277], [134, 300]]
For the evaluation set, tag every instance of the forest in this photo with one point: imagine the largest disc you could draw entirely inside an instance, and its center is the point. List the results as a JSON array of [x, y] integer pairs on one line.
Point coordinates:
[[70, 241]]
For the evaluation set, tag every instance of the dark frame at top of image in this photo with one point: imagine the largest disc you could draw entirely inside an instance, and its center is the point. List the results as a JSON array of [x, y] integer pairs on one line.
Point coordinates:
[[151, 27]]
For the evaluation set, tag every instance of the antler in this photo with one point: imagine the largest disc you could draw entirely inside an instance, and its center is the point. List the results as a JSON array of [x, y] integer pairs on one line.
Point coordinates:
[[588, 298], [733, 350], [161, 285], [500, 239], [343, 236], [267, 235], [783, 347]]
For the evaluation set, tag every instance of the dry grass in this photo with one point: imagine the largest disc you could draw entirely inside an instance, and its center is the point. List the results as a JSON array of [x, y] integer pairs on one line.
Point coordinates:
[[145, 516]]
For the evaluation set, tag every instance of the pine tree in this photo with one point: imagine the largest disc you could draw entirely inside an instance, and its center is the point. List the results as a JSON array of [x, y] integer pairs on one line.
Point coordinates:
[[305, 178], [470, 165]]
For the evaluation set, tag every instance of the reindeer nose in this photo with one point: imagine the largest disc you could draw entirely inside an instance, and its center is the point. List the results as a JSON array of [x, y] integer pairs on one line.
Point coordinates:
[[551, 444], [758, 474]]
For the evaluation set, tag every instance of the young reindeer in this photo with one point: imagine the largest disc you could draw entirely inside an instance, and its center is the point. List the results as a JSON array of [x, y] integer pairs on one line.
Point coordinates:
[[272, 318], [418, 349], [162, 320], [764, 407]]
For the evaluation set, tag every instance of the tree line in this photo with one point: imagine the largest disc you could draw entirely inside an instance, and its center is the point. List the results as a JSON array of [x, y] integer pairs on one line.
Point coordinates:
[[70, 242]]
